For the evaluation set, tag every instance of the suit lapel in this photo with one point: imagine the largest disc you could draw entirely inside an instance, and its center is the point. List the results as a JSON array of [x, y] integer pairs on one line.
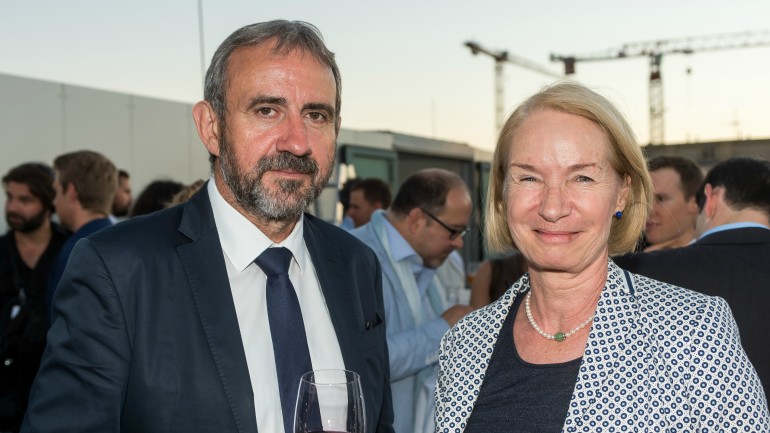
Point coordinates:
[[207, 276], [339, 293]]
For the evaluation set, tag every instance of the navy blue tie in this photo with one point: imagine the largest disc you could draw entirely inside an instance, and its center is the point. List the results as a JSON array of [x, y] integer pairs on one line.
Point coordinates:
[[287, 329]]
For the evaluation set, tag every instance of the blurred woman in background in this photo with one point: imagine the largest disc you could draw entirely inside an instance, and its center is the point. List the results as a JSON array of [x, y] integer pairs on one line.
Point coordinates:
[[495, 276], [155, 197]]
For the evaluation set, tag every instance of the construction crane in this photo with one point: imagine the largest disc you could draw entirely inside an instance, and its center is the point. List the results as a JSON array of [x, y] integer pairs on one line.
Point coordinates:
[[654, 50], [501, 57]]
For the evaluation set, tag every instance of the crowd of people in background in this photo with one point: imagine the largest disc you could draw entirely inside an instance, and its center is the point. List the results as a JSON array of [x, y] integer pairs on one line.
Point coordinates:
[[47, 210], [616, 292]]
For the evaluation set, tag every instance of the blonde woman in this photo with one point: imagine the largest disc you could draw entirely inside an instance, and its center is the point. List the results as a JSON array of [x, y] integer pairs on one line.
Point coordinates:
[[578, 344]]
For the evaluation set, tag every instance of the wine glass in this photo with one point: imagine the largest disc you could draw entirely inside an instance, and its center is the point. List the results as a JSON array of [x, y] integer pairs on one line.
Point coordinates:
[[330, 401]]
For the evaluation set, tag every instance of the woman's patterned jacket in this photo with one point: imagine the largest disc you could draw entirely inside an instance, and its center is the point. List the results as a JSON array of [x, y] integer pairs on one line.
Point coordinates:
[[659, 358]]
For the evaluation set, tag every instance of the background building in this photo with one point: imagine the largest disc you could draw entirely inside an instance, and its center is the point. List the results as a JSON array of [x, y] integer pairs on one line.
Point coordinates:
[[156, 139], [707, 154]]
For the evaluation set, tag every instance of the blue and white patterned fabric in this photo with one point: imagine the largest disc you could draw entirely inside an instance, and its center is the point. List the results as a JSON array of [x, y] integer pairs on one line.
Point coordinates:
[[659, 358]]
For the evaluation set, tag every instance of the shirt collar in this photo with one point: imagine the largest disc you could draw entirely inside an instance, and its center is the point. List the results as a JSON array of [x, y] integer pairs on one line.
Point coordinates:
[[400, 248], [732, 226], [242, 242]]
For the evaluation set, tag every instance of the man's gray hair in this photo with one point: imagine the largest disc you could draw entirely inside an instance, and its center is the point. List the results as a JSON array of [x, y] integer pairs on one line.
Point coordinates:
[[288, 36]]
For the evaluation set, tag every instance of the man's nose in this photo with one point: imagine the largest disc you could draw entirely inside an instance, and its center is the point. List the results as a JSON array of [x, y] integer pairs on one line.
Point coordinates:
[[294, 136], [11, 205]]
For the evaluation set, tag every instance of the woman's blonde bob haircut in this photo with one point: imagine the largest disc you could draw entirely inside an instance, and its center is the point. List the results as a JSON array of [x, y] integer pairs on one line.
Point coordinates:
[[625, 158]]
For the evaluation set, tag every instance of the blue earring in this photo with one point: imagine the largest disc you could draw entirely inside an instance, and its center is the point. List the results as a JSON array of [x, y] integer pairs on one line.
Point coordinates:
[[619, 214]]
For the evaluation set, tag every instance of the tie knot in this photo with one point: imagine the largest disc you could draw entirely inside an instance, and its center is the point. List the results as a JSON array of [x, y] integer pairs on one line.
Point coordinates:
[[274, 261]]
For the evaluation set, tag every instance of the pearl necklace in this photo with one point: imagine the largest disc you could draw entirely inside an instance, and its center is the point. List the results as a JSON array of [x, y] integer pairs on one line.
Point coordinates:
[[559, 336]]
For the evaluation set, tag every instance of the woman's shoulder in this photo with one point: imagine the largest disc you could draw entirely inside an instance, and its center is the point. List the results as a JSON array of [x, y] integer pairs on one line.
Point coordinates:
[[658, 298]]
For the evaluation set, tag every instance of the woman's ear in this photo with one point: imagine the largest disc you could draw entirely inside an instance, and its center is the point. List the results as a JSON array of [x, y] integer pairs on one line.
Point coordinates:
[[623, 194]]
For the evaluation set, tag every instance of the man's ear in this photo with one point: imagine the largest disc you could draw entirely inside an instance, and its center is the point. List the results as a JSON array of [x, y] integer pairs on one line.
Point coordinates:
[[207, 124], [415, 220], [710, 206], [70, 191]]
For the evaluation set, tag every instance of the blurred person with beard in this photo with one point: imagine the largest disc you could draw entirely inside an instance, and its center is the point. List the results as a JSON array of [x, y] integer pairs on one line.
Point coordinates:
[[27, 254], [344, 199], [424, 225], [121, 204], [165, 322]]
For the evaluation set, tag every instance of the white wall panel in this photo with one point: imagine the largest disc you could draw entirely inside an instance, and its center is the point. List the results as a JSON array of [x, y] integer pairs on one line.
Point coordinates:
[[100, 121], [162, 142], [150, 138], [30, 121]]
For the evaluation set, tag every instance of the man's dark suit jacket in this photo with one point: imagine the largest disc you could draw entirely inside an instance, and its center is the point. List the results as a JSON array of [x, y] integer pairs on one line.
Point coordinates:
[[732, 264], [145, 336]]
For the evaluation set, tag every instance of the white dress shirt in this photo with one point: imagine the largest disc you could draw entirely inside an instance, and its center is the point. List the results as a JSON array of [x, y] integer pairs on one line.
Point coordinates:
[[242, 243]]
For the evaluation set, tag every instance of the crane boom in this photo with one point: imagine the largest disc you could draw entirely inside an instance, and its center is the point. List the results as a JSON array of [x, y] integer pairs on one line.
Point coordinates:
[[501, 57], [655, 50], [686, 45]]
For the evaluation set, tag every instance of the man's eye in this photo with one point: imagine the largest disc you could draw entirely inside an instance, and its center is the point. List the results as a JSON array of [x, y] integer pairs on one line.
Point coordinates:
[[584, 179], [266, 111], [317, 115]]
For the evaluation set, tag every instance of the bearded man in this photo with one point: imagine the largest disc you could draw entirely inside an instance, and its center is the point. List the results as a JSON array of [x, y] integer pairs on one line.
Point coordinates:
[[202, 317], [27, 255], [29, 248]]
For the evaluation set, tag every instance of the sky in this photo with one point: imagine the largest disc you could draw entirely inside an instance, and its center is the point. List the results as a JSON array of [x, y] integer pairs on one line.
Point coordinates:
[[403, 63]]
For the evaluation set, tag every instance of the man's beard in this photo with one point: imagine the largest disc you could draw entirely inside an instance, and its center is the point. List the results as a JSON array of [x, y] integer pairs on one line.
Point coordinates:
[[256, 199], [25, 225], [119, 210]]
